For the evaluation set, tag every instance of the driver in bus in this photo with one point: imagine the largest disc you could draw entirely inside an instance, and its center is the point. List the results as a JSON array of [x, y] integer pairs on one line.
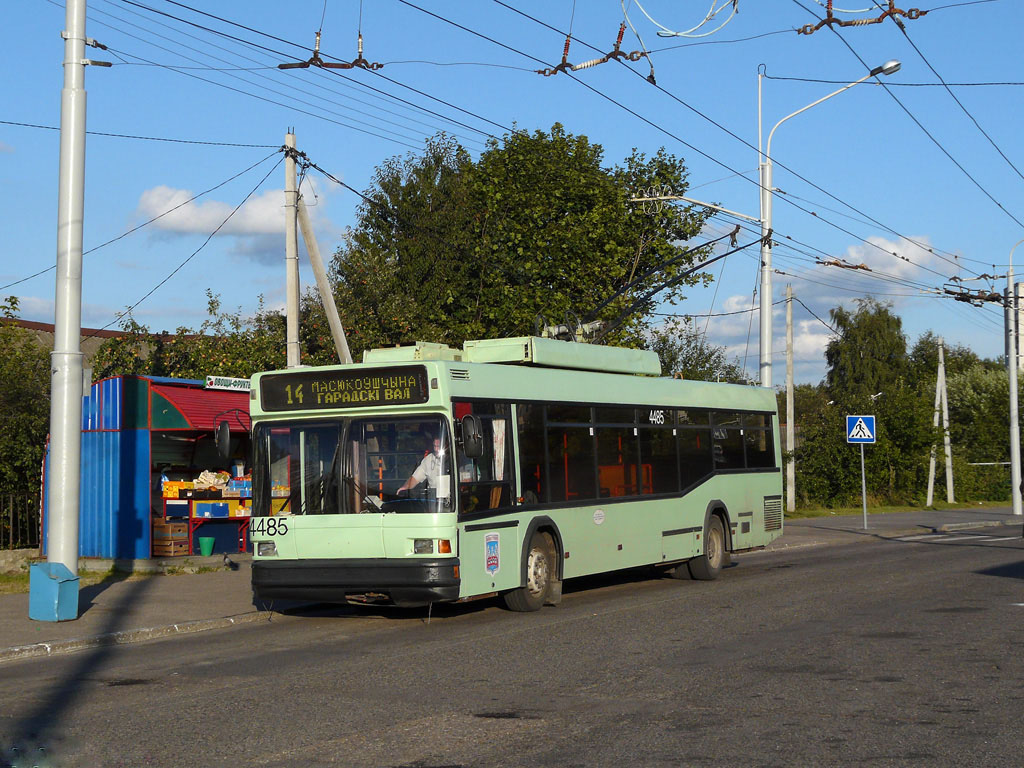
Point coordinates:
[[429, 469]]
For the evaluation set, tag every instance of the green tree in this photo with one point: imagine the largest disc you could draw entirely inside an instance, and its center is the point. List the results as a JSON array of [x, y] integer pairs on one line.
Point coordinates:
[[868, 373], [870, 352], [447, 249], [687, 354], [24, 403], [225, 344]]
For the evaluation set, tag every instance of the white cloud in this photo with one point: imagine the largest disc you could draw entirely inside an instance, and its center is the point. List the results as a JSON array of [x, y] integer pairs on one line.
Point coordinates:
[[258, 226], [903, 257]]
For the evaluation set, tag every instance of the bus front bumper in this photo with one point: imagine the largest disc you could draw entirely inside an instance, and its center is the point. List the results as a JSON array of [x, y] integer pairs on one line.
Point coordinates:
[[402, 582]]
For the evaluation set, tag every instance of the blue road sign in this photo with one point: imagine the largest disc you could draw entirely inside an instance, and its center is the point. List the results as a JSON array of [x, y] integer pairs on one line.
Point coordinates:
[[860, 429]]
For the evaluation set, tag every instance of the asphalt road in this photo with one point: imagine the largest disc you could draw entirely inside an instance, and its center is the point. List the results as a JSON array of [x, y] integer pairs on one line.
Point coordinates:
[[875, 653]]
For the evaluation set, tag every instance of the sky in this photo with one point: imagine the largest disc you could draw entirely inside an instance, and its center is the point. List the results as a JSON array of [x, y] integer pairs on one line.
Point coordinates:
[[914, 186]]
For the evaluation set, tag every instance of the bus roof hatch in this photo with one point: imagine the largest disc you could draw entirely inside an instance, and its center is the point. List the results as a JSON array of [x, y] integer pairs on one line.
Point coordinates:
[[551, 353]]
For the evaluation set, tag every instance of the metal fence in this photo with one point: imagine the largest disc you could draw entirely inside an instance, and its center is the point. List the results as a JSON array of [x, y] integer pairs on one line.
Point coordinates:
[[19, 521]]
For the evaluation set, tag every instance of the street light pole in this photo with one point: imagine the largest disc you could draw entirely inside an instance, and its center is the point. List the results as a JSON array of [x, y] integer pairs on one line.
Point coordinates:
[[765, 167], [1011, 367]]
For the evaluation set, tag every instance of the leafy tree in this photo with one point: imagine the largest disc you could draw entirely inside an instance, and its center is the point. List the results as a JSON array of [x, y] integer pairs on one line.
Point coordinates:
[[870, 352], [131, 353], [687, 354], [225, 344], [24, 403], [448, 249], [924, 360]]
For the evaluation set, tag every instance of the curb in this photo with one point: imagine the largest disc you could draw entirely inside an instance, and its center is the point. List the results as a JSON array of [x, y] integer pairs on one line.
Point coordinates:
[[964, 526], [127, 636]]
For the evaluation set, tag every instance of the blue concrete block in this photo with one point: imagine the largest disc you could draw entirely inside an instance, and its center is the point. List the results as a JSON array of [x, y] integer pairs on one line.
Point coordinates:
[[52, 592]]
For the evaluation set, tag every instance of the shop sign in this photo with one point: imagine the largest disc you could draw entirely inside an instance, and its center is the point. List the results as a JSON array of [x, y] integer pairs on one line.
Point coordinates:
[[224, 382]]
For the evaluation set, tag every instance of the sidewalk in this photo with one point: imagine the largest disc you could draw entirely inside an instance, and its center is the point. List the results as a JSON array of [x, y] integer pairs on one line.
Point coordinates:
[[146, 606]]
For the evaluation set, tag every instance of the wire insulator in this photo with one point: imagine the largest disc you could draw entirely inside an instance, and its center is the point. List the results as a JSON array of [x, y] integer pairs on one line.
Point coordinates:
[[565, 51], [588, 64], [618, 40]]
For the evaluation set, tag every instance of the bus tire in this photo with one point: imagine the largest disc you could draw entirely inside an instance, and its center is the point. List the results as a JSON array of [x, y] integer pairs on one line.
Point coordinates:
[[540, 572], [710, 563]]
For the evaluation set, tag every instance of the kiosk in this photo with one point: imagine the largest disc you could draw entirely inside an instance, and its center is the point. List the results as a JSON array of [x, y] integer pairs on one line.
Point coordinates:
[[145, 439]]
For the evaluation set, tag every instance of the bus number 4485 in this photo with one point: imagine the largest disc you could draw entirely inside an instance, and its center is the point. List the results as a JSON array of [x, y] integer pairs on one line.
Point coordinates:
[[268, 526]]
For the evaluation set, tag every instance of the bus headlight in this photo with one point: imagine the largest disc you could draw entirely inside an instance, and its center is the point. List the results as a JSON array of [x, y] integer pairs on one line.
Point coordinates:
[[423, 546], [266, 549]]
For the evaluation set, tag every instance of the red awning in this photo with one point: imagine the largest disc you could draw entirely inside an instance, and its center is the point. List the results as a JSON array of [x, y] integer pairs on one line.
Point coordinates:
[[205, 408]]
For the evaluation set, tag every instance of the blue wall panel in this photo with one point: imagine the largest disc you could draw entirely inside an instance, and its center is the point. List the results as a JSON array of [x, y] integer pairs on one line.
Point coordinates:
[[111, 398], [115, 495], [91, 409]]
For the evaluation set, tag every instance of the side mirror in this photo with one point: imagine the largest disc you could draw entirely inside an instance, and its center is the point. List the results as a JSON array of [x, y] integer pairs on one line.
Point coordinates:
[[223, 436], [472, 436]]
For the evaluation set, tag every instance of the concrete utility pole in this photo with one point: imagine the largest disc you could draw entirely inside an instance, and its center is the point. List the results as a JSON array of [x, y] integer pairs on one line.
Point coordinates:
[[66, 360], [291, 257], [323, 286], [1011, 367], [790, 417], [941, 407], [945, 428]]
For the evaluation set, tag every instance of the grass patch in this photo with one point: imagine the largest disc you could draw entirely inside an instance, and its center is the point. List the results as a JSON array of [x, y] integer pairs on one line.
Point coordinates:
[[806, 512], [17, 583]]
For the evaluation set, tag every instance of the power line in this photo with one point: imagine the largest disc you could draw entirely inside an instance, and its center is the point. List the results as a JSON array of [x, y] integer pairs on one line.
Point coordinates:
[[145, 138], [146, 223], [684, 143], [273, 37], [259, 49], [902, 28], [189, 258], [896, 85], [920, 125]]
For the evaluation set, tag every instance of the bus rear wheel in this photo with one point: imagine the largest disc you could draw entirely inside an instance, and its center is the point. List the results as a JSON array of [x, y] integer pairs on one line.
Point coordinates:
[[710, 564], [540, 572]]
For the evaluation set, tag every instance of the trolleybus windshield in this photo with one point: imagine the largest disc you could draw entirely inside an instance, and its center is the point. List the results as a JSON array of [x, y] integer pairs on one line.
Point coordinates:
[[351, 466]]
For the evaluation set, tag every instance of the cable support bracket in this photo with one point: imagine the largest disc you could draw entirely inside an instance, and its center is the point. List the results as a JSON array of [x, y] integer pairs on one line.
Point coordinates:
[[615, 53], [892, 11], [316, 61]]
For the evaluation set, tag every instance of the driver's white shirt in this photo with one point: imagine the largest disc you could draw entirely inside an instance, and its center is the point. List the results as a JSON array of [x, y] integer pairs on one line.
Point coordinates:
[[429, 470]]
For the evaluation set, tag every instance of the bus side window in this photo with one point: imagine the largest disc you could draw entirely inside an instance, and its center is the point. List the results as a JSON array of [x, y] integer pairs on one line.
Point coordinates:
[[486, 482]]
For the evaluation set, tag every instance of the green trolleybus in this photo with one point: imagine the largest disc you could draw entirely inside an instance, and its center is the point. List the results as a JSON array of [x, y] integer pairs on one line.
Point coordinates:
[[427, 473]]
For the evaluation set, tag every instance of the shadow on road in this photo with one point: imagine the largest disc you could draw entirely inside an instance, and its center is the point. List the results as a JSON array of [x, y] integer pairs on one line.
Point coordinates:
[[38, 736], [1008, 571]]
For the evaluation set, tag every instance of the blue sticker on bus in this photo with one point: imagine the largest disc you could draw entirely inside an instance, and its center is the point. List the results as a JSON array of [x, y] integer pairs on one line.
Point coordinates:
[[491, 553]]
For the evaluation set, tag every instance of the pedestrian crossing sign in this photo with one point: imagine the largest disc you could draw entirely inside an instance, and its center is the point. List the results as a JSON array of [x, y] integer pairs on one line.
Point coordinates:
[[860, 429]]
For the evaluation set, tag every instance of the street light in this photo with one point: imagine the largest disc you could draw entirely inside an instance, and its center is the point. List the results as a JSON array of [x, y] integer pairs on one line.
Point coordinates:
[[1011, 367], [765, 166]]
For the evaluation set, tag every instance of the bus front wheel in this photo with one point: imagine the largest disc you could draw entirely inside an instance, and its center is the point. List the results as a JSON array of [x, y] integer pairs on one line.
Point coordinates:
[[710, 563], [540, 572]]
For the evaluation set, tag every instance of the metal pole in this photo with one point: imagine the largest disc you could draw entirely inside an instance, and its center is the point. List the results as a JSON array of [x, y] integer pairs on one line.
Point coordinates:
[[765, 166], [323, 286], [863, 487], [1011, 367], [765, 314], [291, 258], [66, 360], [790, 417]]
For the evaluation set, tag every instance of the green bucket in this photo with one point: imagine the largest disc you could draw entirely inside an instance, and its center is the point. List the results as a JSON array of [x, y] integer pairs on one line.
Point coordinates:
[[206, 545]]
